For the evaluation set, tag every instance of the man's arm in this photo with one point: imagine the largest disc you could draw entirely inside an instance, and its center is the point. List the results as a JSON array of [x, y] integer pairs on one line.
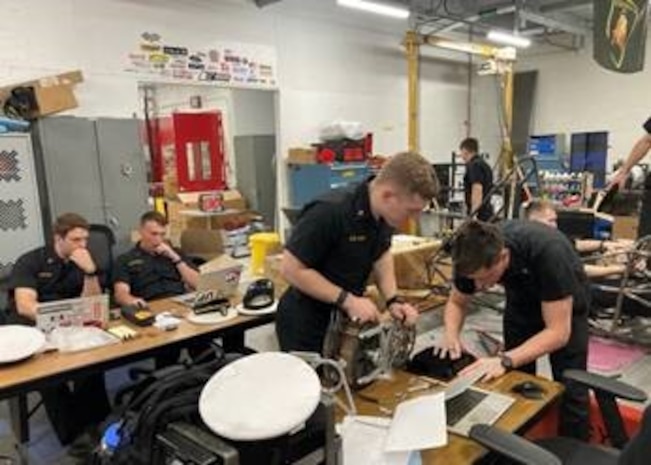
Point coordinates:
[[123, 296], [557, 316], [385, 277], [639, 151], [454, 315], [189, 275], [476, 196], [91, 286], [26, 302], [311, 282]]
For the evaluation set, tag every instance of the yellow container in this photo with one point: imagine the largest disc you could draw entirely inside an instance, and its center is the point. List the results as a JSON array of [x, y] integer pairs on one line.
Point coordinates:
[[262, 244]]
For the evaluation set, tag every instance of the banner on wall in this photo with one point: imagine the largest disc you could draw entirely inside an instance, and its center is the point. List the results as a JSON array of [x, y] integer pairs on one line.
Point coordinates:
[[620, 29], [228, 64]]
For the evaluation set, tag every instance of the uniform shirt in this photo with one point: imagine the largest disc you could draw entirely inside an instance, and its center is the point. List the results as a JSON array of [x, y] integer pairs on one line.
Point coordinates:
[[338, 236], [52, 277], [647, 181], [543, 267], [478, 171], [647, 126], [150, 276]]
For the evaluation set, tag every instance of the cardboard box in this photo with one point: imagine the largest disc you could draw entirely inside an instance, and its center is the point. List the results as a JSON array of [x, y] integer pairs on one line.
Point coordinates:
[[53, 94], [203, 243], [411, 257], [301, 156], [625, 227]]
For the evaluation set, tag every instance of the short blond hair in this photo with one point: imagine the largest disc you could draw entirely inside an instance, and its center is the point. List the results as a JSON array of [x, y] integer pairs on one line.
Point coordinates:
[[412, 172]]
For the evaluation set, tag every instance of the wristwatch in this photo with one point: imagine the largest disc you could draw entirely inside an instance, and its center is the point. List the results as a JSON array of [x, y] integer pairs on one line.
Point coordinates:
[[341, 298], [90, 275], [506, 361], [394, 300]]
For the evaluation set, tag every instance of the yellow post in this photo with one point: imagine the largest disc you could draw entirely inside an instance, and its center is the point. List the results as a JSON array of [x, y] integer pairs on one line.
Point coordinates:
[[508, 159], [412, 45]]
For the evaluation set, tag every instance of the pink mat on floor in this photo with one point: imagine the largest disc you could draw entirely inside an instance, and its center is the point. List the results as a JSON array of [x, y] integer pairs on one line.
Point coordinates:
[[607, 355]]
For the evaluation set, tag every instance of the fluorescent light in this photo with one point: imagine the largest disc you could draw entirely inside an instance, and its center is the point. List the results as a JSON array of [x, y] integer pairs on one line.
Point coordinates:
[[508, 39], [373, 7]]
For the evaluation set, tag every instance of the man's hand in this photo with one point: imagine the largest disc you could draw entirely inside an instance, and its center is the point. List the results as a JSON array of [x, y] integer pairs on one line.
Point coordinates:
[[404, 312], [138, 302], [618, 180], [360, 309], [82, 258], [491, 366], [165, 249], [450, 346]]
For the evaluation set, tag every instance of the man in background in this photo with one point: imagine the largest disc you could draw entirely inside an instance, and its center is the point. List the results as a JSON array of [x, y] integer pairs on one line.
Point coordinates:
[[477, 181]]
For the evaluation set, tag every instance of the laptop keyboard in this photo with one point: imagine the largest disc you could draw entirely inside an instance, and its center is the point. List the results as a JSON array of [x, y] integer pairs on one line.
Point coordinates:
[[457, 408]]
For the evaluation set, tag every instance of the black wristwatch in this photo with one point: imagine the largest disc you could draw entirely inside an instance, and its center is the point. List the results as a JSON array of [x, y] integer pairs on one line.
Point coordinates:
[[506, 361], [90, 275], [341, 298], [394, 300]]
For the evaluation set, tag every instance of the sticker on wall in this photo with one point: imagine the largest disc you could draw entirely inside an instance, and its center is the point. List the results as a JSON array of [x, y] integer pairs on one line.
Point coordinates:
[[241, 64]]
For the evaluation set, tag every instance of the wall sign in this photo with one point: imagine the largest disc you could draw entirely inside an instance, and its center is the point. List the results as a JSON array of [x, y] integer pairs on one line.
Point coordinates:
[[228, 64]]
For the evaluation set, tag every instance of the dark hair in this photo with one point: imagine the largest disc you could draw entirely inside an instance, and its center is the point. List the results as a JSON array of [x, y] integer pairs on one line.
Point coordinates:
[[154, 216], [67, 222], [536, 206], [476, 246], [411, 171], [470, 144]]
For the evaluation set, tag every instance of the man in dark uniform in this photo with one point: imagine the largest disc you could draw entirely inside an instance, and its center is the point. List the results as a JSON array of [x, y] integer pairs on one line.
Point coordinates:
[[152, 269], [641, 148], [339, 240], [547, 302], [62, 270], [477, 181]]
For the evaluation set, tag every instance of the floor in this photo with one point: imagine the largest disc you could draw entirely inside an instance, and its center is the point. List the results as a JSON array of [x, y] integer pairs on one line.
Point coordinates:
[[44, 448]]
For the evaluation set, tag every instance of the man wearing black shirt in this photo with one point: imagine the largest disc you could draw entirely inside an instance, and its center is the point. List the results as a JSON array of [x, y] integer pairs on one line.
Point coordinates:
[[62, 270], [477, 181], [547, 302], [152, 269], [339, 240], [641, 148]]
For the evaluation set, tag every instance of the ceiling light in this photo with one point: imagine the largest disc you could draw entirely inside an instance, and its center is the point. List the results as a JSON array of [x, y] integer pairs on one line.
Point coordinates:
[[508, 39], [374, 7]]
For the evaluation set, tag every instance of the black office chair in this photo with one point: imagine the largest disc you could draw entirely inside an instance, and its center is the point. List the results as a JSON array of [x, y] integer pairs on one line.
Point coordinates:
[[568, 451], [101, 241]]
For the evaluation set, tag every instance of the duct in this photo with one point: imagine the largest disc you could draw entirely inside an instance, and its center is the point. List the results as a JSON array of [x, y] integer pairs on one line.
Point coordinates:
[[558, 22]]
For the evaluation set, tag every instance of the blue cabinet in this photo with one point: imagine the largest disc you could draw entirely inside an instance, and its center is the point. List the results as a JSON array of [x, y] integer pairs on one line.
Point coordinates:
[[309, 181]]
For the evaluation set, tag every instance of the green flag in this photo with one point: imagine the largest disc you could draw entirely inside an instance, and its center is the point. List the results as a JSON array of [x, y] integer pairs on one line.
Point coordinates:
[[620, 34]]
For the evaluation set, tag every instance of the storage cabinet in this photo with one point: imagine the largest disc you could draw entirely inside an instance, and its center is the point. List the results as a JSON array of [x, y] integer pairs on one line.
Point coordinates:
[[95, 168], [309, 181]]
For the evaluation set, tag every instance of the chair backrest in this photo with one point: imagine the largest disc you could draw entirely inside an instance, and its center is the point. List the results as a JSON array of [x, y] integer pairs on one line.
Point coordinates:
[[638, 449], [101, 241]]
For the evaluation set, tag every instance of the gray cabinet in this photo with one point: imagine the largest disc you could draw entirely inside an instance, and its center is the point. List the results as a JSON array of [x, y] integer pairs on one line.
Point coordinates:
[[255, 166], [95, 168]]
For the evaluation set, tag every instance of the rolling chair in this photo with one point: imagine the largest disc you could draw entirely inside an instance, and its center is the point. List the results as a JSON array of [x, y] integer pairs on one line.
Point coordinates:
[[568, 451], [101, 241]]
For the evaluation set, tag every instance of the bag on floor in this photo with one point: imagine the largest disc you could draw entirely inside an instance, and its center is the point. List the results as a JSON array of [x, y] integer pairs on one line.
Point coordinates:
[[146, 407]]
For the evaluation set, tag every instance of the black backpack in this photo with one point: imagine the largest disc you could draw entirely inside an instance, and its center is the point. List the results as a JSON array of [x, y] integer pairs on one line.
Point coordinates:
[[145, 408]]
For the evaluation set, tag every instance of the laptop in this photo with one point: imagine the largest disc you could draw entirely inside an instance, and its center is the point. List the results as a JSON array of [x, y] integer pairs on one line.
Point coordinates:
[[213, 285], [467, 405], [82, 311]]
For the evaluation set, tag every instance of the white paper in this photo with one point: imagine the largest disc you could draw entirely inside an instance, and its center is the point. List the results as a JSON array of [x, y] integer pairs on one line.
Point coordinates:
[[418, 424], [364, 438]]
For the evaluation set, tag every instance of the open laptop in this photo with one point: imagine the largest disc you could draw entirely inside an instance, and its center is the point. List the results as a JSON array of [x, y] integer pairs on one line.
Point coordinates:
[[92, 310], [213, 285], [467, 405]]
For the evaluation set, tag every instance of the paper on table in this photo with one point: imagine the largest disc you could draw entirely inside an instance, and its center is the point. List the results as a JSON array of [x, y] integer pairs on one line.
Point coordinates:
[[418, 424], [363, 442]]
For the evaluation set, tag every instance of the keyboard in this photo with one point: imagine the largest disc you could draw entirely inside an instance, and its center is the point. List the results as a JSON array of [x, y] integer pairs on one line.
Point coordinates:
[[457, 408]]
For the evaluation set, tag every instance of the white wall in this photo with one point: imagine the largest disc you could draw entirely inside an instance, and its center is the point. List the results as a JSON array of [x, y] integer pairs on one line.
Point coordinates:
[[332, 64], [574, 94]]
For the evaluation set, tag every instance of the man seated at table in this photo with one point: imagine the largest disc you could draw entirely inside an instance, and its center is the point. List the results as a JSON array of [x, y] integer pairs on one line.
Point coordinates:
[[63, 269], [151, 270]]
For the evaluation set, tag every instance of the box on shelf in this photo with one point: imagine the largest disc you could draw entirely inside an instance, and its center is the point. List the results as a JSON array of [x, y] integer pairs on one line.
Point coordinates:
[[301, 156], [52, 94]]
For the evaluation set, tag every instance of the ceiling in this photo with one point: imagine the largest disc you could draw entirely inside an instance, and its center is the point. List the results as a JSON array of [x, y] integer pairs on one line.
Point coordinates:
[[562, 23]]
